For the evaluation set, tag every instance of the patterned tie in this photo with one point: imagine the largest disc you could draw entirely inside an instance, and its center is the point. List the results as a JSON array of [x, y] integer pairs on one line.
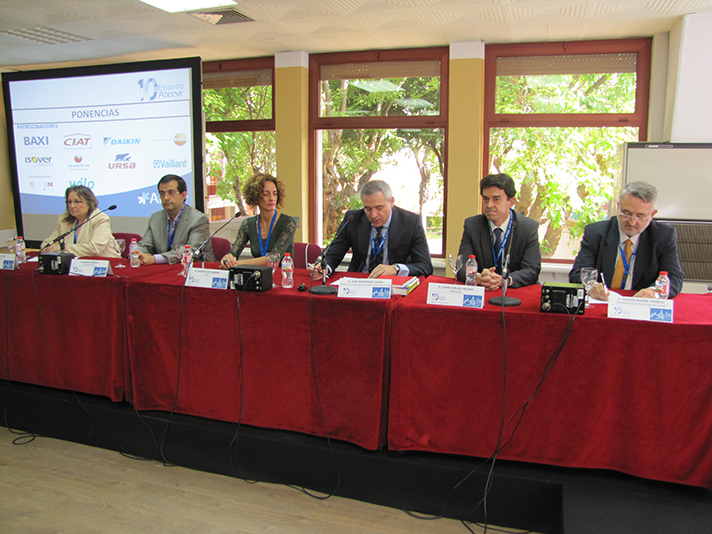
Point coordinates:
[[617, 282], [497, 239], [376, 259]]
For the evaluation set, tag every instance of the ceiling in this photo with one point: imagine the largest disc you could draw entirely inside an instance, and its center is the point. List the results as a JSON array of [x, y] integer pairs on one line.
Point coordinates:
[[78, 32]]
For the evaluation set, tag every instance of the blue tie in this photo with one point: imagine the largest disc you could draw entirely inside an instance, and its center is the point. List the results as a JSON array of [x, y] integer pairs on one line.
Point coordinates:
[[497, 239]]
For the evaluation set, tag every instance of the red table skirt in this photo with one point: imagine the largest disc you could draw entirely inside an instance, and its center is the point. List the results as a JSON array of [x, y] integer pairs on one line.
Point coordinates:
[[626, 395]]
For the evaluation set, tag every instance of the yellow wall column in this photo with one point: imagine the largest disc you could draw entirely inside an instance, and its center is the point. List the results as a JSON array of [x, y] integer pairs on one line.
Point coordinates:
[[291, 87], [7, 207], [465, 125]]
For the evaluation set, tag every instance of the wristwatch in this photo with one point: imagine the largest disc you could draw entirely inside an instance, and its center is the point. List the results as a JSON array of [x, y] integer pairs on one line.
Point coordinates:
[[397, 268]]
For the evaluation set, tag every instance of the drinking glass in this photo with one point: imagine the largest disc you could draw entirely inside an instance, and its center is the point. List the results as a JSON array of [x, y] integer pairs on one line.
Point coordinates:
[[455, 263], [120, 247], [10, 245], [589, 277], [273, 261]]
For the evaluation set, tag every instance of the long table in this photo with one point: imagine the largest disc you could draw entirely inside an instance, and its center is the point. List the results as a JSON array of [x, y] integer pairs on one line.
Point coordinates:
[[626, 395]]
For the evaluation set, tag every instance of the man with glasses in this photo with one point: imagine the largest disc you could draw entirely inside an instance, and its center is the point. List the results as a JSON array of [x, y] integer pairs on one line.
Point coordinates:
[[175, 226], [631, 249]]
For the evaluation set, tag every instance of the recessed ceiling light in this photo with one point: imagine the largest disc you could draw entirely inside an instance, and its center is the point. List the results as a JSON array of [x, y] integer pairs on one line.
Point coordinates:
[[177, 6]]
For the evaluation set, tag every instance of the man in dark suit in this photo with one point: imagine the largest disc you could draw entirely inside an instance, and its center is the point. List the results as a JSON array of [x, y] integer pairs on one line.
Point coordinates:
[[384, 239], [175, 226], [631, 249], [499, 231]]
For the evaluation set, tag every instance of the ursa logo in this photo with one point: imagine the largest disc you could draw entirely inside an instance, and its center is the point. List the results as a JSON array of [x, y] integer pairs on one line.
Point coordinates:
[[77, 140], [122, 162], [42, 140]]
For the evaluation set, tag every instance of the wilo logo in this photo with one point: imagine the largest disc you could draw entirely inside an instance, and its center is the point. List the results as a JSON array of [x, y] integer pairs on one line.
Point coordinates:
[[42, 140], [122, 162], [73, 141], [82, 181]]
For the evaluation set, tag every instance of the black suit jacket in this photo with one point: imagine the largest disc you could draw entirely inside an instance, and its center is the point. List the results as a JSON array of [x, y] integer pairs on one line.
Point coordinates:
[[406, 242], [524, 253], [657, 251]]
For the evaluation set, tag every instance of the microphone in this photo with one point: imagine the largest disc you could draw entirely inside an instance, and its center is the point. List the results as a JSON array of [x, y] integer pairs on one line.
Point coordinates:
[[199, 250], [65, 234], [504, 300], [323, 289]]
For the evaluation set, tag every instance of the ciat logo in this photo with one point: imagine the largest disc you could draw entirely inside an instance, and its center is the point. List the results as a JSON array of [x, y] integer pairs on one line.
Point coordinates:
[[77, 140]]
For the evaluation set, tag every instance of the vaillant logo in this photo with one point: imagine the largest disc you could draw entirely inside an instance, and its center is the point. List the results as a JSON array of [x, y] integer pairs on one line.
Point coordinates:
[[38, 160], [114, 141], [122, 162], [77, 140], [37, 141], [170, 164]]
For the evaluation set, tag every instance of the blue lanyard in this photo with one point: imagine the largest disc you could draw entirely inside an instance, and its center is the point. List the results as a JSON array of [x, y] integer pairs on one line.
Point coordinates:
[[626, 263], [375, 250], [168, 227], [497, 255], [264, 245], [76, 222]]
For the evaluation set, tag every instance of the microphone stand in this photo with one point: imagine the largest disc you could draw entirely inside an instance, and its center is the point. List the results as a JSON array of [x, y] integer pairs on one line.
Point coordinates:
[[504, 300], [199, 251], [323, 289]]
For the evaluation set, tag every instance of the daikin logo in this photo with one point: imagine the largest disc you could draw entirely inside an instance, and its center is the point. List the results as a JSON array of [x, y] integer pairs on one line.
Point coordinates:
[[115, 141], [77, 140]]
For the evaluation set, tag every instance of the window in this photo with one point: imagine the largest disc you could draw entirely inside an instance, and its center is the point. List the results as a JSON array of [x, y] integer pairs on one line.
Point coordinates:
[[557, 116], [379, 115], [240, 140]]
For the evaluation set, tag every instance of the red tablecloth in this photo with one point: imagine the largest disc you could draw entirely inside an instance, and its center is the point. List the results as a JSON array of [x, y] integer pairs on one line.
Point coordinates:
[[626, 395], [65, 332], [266, 377]]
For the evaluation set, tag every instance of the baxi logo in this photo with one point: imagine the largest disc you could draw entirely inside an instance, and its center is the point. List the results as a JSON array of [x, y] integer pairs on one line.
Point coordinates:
[[180, 139], [42, 140], [114, 141], [37, 160], [77, 140], [122, 162]]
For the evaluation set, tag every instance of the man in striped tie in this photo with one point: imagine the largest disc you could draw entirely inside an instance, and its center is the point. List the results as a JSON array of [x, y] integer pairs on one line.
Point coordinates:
[[632, 248]]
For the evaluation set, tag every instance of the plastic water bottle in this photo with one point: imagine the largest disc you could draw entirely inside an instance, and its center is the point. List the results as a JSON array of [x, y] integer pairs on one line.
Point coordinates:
[[662, 286], [471, 271], [20, 256], [134, 253], [287, 271], [186, 258]]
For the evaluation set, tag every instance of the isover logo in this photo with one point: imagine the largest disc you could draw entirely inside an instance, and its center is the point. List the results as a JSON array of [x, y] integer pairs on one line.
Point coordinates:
[[180, 139], [122, 162], [37, 160], [115, 141], [42, 140], [77, 140]]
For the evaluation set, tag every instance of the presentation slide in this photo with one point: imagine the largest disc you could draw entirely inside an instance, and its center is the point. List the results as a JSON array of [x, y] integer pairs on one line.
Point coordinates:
[[116, 133]]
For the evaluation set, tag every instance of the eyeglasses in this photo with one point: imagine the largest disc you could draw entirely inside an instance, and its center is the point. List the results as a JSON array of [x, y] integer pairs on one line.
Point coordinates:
[[74, 202], [169, 193], [630, 217]]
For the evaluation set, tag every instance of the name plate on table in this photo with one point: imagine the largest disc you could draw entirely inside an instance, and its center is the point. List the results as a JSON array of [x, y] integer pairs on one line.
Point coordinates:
[[210, 278], [364, 288], [89, 268], [660, 311], [7, 262], [456, 295]]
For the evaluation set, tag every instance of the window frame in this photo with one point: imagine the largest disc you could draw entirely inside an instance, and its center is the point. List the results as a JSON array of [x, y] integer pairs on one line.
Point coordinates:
[[316, 61], [639, 118]]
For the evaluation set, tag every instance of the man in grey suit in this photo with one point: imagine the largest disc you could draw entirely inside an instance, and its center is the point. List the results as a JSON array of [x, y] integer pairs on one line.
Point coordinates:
[[175, 226], [384, 239], [500, 231]]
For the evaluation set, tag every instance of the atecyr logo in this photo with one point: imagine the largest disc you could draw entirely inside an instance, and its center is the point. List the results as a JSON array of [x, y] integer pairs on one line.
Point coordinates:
[[77, 140], [122, 162], [148, 198], [115, 141]]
